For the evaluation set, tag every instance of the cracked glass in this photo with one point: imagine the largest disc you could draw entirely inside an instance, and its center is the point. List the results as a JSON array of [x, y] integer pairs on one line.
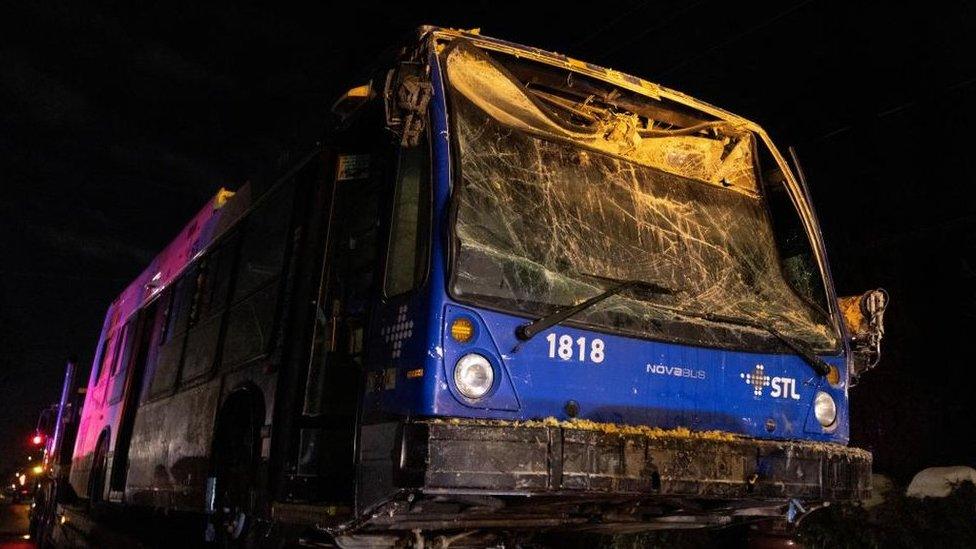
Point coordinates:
[[554, 190]]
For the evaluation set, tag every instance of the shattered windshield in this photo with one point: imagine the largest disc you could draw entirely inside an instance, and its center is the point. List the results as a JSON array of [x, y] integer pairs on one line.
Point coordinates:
[[557, 187]]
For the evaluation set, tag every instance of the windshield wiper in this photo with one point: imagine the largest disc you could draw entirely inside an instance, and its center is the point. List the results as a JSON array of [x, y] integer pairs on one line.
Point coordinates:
[[806, 353], [526, 332]]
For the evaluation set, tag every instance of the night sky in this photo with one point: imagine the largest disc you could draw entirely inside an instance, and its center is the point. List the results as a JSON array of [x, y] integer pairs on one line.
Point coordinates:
[[118, 123]]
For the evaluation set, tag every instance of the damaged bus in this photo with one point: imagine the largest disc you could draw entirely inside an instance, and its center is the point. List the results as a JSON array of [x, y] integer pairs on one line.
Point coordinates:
[[513, 292]]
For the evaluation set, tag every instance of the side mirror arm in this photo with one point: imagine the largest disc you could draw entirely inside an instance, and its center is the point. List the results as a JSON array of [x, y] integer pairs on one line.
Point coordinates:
[[406, 95], [864, 316]]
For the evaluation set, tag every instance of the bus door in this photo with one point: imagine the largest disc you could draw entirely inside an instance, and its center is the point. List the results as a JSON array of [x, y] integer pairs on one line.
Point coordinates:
[[128, 390], [324, 468]]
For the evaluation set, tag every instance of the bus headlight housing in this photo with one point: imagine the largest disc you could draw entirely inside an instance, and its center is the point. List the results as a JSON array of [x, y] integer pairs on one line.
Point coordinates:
[[473, 376], [824, 409]]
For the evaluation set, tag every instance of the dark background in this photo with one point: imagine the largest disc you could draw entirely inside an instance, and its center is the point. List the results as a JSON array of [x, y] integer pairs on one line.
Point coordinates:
[[118, 123]]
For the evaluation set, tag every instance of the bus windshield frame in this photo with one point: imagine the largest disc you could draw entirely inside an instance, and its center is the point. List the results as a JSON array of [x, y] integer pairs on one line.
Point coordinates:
[[584, 153]]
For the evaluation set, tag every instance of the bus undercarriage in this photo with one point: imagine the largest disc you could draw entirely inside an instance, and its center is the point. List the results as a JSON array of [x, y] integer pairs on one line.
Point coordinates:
[[468, 474], [467, 482]]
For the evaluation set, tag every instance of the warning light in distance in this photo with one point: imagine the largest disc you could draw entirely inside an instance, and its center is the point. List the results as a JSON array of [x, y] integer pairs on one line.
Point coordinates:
[[37, 439]]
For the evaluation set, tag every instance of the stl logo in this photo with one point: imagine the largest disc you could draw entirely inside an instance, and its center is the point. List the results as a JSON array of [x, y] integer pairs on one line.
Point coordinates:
[[757, 378]]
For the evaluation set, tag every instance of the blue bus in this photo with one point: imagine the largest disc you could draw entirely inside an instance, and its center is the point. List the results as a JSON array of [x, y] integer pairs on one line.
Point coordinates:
[[512, 292]]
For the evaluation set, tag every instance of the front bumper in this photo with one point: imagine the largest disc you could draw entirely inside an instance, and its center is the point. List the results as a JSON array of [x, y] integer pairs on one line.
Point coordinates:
[[559, 459]]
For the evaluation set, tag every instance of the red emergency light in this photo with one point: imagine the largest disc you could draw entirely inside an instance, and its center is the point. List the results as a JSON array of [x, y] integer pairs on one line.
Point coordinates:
[[37, 439]]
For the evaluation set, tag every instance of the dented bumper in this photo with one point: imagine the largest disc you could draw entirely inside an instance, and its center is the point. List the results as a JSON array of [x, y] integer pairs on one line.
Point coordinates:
[[549, 459]]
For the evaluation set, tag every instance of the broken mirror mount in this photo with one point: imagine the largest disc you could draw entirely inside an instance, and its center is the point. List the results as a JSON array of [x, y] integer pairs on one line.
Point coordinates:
[[864, 316], [406, 96]]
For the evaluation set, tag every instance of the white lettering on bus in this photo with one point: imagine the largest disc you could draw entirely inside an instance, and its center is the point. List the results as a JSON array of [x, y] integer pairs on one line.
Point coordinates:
[[566, 350], [676, 371], [783, 387]]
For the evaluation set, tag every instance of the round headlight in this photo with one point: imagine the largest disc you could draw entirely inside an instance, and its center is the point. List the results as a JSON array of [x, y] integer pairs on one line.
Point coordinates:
[[825, 409], [473, 376]]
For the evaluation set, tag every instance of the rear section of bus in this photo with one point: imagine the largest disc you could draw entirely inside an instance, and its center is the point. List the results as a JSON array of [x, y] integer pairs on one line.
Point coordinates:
[[627, 310]]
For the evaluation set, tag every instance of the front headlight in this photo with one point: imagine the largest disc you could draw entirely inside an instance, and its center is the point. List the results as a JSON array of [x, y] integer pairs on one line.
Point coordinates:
[[825, 409], [473, 376]]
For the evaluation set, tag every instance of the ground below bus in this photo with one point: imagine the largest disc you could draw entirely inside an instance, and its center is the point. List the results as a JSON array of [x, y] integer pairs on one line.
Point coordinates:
[[898, 521], [13, 526]]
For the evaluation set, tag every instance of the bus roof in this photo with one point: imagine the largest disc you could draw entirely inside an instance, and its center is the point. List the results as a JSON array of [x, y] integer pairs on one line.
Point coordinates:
[[623, 80], [203, 229]]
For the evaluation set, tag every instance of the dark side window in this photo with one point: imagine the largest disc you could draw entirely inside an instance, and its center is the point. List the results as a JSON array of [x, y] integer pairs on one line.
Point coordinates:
[[213, 283], [263, 248], [406, 257], [156, 322], [259, 268], [124, 351], [121, 351], [179, 313], [104, 360], [170, 352], [796, 254]]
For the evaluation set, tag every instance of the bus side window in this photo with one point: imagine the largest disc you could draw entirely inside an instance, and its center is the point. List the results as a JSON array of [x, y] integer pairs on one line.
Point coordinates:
[[177, 320], [122, 337], [797, 257], [406, 258], [259, 267], [213, 282], [179, 313], [160, 312], [117, 377], [104, 360]]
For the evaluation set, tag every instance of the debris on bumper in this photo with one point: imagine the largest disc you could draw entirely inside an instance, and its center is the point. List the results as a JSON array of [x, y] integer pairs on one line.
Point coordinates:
[[587, 458]]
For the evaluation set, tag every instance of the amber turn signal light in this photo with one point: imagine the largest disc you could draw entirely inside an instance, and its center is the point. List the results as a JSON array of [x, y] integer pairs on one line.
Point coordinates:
[[833, 376], [462, 330]]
